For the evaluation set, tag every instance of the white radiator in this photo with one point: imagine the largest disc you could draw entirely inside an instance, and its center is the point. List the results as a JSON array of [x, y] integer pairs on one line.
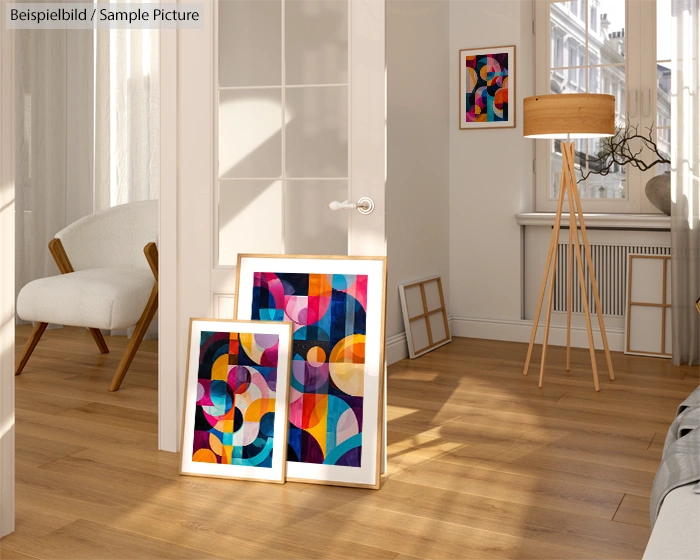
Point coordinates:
[[610, 264]]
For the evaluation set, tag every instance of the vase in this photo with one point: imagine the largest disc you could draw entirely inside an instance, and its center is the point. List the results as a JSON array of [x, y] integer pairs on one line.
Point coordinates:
[[658, 191]]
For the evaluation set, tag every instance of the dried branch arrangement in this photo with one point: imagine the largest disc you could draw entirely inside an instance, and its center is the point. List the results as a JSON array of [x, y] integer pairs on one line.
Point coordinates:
[[617, 150]]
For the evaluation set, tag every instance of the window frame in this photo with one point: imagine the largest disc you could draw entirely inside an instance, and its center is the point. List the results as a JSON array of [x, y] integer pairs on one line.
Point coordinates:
[[640, 100]]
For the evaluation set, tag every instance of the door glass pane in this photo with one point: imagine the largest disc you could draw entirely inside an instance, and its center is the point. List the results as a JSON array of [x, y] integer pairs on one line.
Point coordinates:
[[310, 227], [250, 133], [316, 137], [250, 219], [316, 36], [250, 34], [283, 127]]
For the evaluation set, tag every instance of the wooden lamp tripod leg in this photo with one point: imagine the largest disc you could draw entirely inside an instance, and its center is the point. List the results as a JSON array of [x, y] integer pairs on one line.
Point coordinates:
[[594, 283], [550, 266], [569, 282], [568, 153]]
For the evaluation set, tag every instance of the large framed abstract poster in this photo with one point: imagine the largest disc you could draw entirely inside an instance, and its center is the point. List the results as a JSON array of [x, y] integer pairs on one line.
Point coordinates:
[[487, 88], [236, 399], [337, 308]]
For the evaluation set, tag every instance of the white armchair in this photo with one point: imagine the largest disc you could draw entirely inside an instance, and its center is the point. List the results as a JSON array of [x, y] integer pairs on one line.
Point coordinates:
[[105, 281]]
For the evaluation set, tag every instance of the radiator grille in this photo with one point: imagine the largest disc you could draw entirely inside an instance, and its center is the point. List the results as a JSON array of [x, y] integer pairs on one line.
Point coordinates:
[[610, 263]]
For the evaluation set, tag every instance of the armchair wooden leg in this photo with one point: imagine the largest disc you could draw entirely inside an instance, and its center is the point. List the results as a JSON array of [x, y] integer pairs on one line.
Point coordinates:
[[39, 329], [99, 340], [136, 338]]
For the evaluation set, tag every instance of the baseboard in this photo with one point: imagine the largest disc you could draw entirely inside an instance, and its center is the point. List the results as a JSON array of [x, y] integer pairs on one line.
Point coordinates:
[[396, 348], [520, 331]]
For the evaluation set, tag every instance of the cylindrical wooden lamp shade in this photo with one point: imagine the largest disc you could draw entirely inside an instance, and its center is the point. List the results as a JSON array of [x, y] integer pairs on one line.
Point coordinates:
[[578, 115]]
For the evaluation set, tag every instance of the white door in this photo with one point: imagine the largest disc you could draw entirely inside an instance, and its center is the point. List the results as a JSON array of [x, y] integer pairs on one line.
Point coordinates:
[[281, 110]]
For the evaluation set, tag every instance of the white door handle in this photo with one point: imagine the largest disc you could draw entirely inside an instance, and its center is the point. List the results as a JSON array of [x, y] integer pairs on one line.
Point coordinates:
[[364, 205]]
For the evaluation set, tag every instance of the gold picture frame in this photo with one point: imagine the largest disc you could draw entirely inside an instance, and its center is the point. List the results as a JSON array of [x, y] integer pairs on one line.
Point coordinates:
[[487, 88]]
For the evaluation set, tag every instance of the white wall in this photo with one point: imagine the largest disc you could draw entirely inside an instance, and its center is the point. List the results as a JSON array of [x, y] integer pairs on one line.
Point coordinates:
[[490, 176], [417, 194]]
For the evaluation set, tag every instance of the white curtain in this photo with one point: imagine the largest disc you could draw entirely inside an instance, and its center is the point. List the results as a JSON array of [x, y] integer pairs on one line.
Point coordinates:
[[87, 132], [127, 125], [126, 116], [685, 184], [54, 142]]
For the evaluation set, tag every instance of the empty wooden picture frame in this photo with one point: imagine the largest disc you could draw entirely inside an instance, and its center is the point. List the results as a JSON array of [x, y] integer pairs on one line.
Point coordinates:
[[337, 307], [648, 320], [424, 315], [236, 400]]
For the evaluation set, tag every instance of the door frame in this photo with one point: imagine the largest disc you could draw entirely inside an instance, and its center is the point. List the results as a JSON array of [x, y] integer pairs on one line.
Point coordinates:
[[169, 390], [7, 280]]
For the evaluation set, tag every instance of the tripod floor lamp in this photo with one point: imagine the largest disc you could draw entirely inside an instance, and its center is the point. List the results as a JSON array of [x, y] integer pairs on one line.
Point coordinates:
[[573, 115]]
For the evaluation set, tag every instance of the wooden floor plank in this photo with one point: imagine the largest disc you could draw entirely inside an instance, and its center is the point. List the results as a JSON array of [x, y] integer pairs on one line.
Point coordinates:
[[633, 510], [116, 416], [517, 520], [482, 464], [84, 539], [429, 538], [525, 460], [45, 402], [516, 488], [6, 553], [36, 451], [33, 524]]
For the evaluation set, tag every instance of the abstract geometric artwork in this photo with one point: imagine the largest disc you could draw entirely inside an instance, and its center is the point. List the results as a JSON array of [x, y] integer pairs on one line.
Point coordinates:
[[236, 399], [334, 388], [328, 355], [487, 87]]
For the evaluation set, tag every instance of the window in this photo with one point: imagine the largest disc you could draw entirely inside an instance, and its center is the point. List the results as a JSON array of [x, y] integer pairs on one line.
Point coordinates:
[[606, 49]]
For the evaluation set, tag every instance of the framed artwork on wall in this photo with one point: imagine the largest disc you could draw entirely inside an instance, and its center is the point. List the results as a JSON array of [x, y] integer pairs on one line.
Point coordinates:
[[424, 315], [337, 308], [487, 88], [236, 400]]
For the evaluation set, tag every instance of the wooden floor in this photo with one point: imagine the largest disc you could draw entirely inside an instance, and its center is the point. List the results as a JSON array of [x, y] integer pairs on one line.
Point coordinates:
[[482, 464]]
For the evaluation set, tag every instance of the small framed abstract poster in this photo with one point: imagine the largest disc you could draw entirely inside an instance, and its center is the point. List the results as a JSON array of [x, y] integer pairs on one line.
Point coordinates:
[[236, 400], [487, 88], [337, 308]]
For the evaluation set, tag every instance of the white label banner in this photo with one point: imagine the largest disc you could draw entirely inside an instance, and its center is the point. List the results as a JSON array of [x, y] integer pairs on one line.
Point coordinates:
[[88, 15]]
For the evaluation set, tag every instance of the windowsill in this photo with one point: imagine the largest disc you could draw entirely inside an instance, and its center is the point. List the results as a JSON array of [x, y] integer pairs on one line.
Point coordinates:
[[593, 220]]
